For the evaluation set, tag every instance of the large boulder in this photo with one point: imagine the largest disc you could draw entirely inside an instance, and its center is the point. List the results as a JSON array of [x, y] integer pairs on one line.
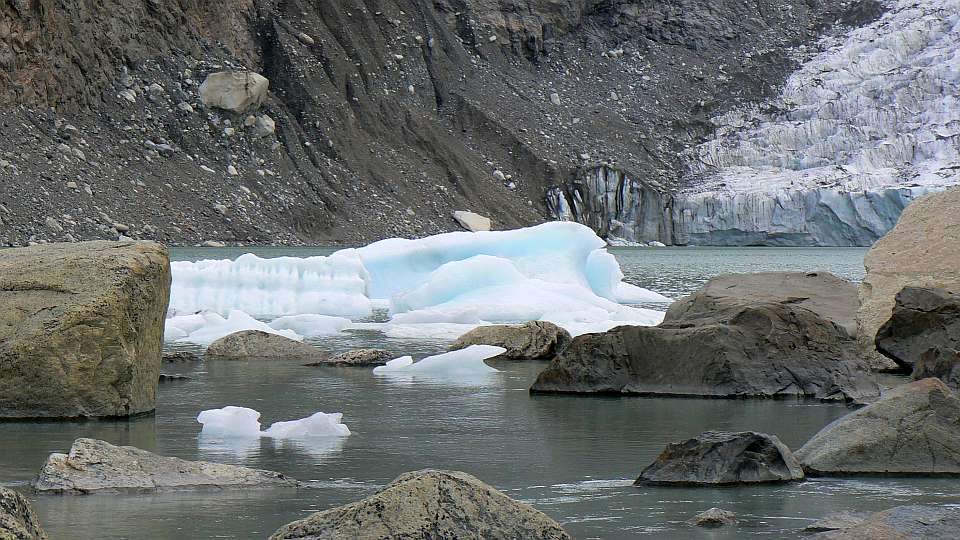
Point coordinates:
[[923, 250], [913, 429], [264, 345], [766, 335], [939, 363], [97, 466], [17, 519], [234, 91], [900, 523], [534, 340], [922, 319], [81, 328], [428, 504], [720, 458], [356, 358]]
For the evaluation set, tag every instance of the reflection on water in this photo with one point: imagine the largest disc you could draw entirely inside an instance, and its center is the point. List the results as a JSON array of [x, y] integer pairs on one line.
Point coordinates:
[[572, 457]]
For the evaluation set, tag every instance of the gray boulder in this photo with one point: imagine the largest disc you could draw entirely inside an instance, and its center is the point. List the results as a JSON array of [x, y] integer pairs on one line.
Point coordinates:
[[428, 504], [471, 221], [939, 363], [534, 340], [263, 345], [356, 358], [234, 91], [913, 429], [901, 523], [923, 250], [739, 336], [17, 519], [97, 466], [81, 328], [720, 458], [714, 517], [922, 319]]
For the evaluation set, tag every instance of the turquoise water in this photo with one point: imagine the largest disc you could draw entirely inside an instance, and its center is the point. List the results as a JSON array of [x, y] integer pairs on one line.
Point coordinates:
[[572, 457]]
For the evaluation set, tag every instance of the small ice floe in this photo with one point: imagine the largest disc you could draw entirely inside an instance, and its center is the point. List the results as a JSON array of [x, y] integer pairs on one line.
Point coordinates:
[[241, 422], [466, 362]]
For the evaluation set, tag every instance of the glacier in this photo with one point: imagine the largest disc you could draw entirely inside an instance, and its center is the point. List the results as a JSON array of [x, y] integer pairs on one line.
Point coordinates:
[[559, 272], [243, 422], [458, 364], [864, 127]]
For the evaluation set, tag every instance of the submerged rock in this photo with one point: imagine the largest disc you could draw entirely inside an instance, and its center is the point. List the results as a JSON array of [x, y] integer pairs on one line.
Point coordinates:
[[714, 517], [356, 358], [534, 340], [765, 335], [17, 519], [180, 356], [720, 458], [922, 319], [259, 344], [429, 504], [235, 91], [471, 221], [838, 521], [923, 250], [81, 328], [901, 523], [913, 429], [98, 466]]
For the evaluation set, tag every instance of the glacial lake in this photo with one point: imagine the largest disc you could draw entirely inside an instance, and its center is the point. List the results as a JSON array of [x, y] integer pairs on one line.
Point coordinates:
[[572, 457]]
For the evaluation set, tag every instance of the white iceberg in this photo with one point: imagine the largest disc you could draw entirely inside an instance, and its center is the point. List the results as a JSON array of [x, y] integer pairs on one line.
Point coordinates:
[[311, 325], [462, 363], [241, 422], [205, 328]]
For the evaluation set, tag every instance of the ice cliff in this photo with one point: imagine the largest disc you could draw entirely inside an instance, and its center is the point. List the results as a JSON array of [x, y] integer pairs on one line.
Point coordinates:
[[864, 127]]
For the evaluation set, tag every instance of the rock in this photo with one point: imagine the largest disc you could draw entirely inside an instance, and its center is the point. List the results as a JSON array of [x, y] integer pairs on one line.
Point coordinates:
[[912, 429], [54, 225], [471, 221], [428, 503], [120, 227], [922, 250], [838, 521], [232, 171], [534, 340], [264, 126], [81, 328], [235, 91], [213, 243], [720, 458], [714, 517], [98, 466], [356, 358], [901, 523], [185, 107], [498, 175], [745, 335], [180, 356], [17, 519], [171, 377], [259, 344], [555, 98], [305, 39], [922, 319], [939, 363]]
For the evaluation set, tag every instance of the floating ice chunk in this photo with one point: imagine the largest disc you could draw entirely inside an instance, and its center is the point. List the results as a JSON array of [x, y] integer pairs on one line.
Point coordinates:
[[311, 325], [181, 326], [241, 422], [627, 293], [462, 363], [334, 285], [214, 327], [317, 425], [230, 421], [436, 331]]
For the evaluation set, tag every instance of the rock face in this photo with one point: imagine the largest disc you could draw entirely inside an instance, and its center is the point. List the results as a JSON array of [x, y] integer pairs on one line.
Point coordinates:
[[234, 91], [534, 340], [769, 335], [922, 319], [471, 221], [17, 520], [719, 458], [81, 328], [923, 250], [939, 363], [912, 429], [901, 523], [97, 466], [428, 503], [714, 517], [259, 344], [356, 358]]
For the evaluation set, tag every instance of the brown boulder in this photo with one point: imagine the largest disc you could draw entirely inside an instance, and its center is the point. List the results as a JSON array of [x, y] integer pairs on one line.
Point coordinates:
[[534, 340]]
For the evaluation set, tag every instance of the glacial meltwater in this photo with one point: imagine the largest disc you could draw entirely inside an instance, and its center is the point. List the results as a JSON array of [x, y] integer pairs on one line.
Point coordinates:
[[573, 457]]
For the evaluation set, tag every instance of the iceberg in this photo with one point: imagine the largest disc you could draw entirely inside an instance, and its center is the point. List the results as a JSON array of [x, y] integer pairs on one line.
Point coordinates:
[[557, 271], [242, 422], [457, 364]]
